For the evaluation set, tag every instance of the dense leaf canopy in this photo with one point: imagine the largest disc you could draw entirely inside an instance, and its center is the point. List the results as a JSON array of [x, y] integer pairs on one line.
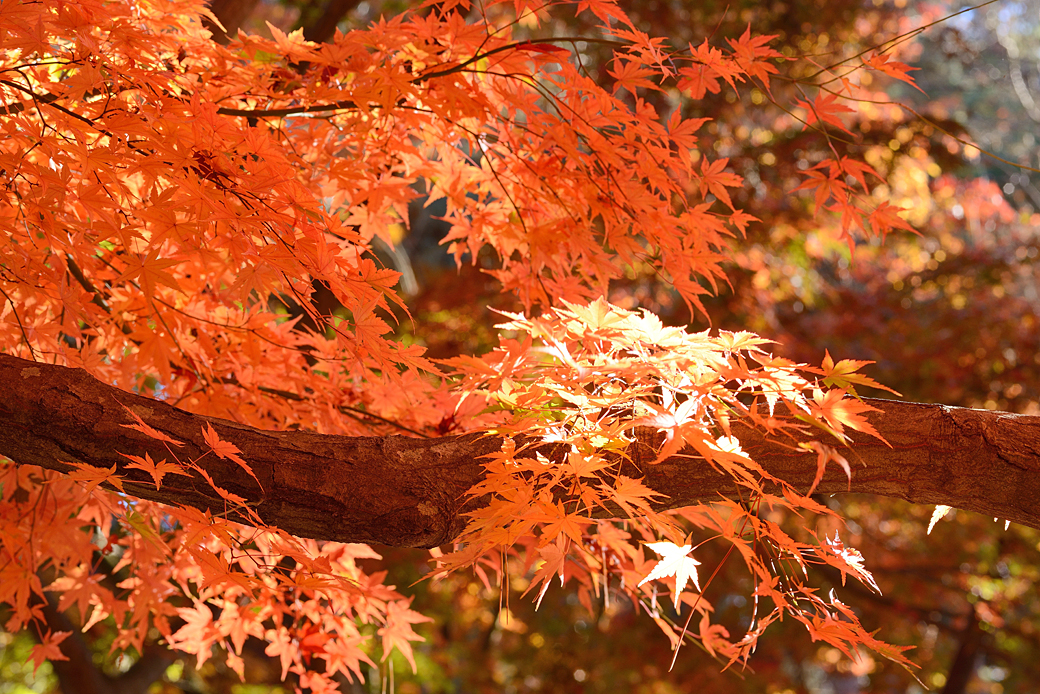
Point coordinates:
[[219, 229]]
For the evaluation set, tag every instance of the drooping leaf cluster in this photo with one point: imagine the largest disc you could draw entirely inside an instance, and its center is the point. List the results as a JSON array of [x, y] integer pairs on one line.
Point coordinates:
[[585, 379]]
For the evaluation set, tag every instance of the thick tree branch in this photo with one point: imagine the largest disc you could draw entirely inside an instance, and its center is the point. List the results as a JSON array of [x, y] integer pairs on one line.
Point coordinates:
[[411, 492]]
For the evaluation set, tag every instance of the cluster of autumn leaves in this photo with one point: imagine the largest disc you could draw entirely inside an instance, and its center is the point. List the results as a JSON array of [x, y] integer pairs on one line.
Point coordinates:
[[166, 198], [585, 378]]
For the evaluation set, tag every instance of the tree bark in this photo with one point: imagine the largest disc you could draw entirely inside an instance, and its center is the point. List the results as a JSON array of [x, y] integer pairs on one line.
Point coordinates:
[[962, 670], [412, 492], [231, 14]]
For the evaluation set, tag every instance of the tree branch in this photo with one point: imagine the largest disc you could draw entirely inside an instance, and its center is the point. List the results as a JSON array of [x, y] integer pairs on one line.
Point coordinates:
[[412, 492]]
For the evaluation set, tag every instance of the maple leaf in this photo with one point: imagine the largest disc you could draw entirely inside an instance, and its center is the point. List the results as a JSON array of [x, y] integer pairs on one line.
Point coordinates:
[[156, 470], [554, 558], [827, 186], [715, 179], [631, 495], [605, 10], [226, 450], [698, 80], [675, 561], [852, 561], [886, 217], [48, 649], [291, 45], [678, 423], [840, 411], [713, 65], [631, 75], [79, 588], [279, 643], [198, 631], [882, 62], [858, 169], [843, 374], [151, 270], [752, 52], [681, 130], [398, 631], [147, 430], [825, 108], [93, 476], [825, 454]]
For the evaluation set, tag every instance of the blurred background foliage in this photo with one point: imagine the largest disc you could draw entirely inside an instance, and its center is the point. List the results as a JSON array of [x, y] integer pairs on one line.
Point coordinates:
[[951, 315]]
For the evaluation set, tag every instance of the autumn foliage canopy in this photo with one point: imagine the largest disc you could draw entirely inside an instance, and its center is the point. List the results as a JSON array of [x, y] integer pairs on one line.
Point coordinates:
[[172, 207]]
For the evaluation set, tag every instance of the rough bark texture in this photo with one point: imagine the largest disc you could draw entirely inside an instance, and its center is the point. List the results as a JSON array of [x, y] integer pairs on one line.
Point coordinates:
[[410, 492]]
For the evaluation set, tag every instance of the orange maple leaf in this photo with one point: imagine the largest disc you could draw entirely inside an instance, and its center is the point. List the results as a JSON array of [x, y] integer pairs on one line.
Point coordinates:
[[714, 177], [226, 450], [605, 10], [147, 430], [826, 109], [398, 631], [48, 648], [843, 374], [886, 218], [554, 558], [151, 271], [631, 75], [825, 454], [93, 476], [882, 62], [156, 470], [751, 53], [840, 411]]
